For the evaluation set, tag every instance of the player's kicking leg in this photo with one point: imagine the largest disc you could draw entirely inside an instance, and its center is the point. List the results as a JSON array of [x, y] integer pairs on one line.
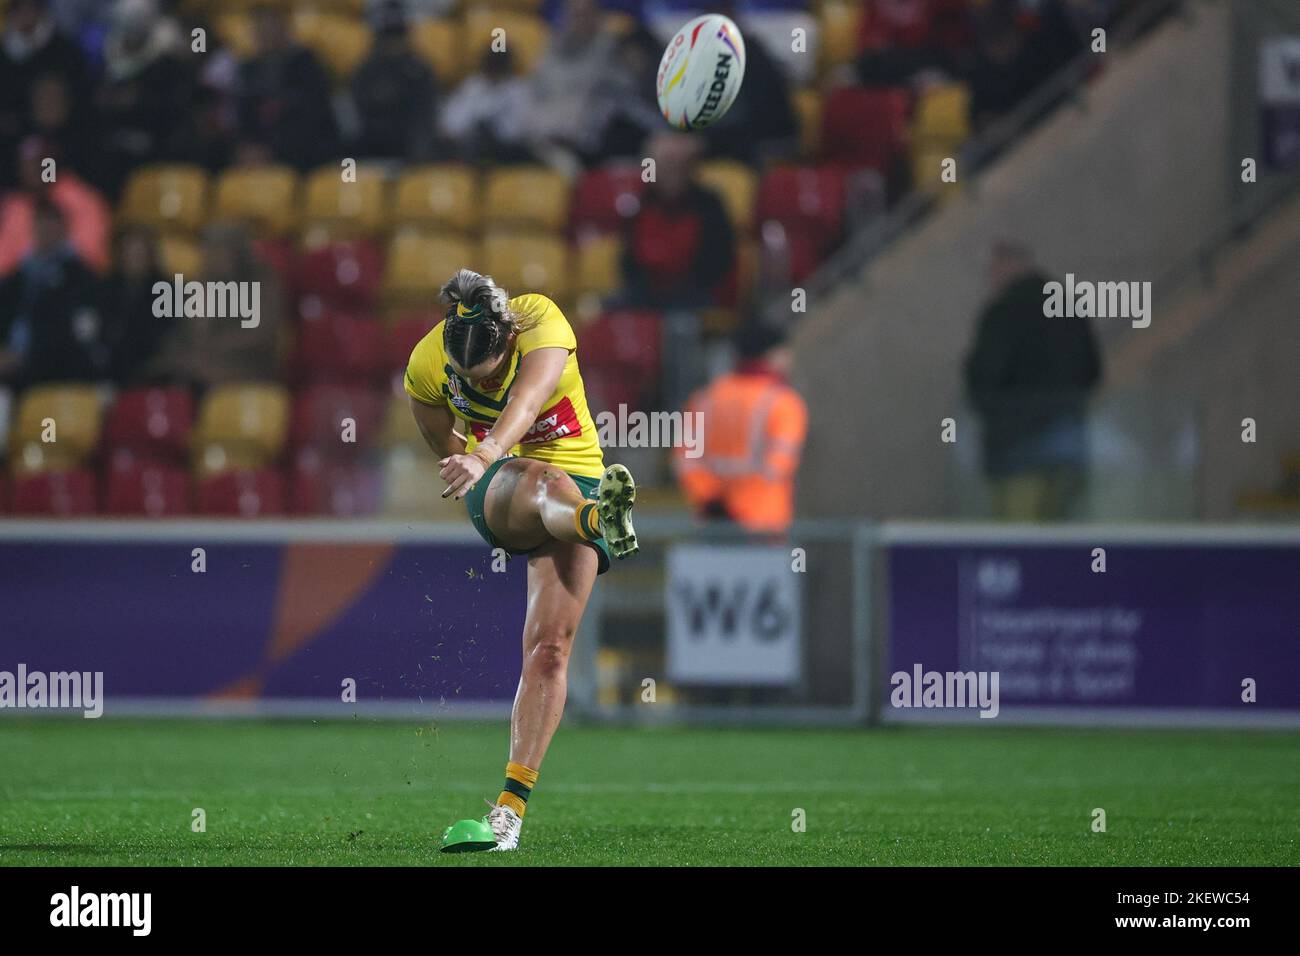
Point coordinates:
[[534, 507]]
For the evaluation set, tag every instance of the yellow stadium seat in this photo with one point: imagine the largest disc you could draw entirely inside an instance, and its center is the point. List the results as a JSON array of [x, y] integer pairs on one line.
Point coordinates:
[[736, 185], [356, 208], [927, 168], [171, 198], [531, 197], [418, 264], [241, 426], [58, 426], [598, 269], [528, 263], [341, 42], [235, 30], [808, 111], [264, 197], [412, 488], [399, 429], [438, 43], [838, 32], [942, 117], [180, 255], [524, 35], [445, 196]]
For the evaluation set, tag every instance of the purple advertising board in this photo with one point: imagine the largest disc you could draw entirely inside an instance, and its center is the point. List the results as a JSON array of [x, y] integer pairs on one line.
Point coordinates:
[[1197, 629], [411, 622]]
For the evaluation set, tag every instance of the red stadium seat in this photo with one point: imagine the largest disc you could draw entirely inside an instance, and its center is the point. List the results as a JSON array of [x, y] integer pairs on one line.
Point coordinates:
[[865, 127], [251, 493], [319, 413], [404, 334], [151, 422], [620, 354], [334, 488], [137, 486], [807, 198], [334, 347], [56, 493], [343, 275], [4, 494], [604, 199]]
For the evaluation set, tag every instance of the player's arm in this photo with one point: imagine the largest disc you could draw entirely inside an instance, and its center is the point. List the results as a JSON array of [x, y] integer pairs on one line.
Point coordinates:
[[438, 426], [539, 374]]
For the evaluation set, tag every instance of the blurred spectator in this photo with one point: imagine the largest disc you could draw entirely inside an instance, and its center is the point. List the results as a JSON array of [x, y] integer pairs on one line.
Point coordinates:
[[50, 325], [1029, 378], [633, 107], [147, 95], [394, 91], [210, 350], [88, 217], [1014, 53], [901, 39], [760, 123], [283, 95], [134, 331], [570, 94], [680, 246], [54, 122], [754, 424], [486, 117], [32, 47]]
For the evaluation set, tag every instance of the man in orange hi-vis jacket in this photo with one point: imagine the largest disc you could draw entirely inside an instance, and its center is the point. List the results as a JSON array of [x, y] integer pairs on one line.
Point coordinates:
[[754, 425]]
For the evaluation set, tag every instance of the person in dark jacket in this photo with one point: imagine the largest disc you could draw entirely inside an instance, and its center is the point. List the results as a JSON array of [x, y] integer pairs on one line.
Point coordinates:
[[51, 328], [128, 305], [1029, 378], [283, 95], [395, 92]]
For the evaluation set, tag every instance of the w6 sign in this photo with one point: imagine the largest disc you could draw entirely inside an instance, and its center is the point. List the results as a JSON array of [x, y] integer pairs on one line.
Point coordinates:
[[733, 615]]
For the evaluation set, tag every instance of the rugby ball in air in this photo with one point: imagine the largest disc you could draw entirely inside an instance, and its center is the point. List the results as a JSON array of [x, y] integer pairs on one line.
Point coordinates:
[[700, 73]]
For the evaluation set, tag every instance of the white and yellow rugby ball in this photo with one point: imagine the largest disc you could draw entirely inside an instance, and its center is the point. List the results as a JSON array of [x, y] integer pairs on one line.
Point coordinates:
[[700, 73]]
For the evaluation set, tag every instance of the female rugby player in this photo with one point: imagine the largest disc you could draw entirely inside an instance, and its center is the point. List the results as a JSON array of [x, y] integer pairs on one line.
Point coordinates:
[[533, 477]]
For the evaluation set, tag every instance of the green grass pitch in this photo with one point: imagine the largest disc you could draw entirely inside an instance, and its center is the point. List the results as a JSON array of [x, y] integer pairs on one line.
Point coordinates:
[[120, 792]]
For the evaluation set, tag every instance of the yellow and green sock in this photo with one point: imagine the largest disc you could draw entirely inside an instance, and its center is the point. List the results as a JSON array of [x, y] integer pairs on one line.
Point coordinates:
[[520, 781], [587, 521]]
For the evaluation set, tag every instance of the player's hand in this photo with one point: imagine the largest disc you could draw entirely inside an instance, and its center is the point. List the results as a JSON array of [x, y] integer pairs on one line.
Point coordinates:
[[460, 472]]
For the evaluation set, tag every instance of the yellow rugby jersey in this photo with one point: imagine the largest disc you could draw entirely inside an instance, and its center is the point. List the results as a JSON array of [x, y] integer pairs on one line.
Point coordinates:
[[563, 434]]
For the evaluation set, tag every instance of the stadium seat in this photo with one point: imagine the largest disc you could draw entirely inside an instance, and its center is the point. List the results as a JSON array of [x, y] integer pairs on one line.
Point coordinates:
[[59, 493], [241, 426], [404, 332], [438, 43], [180, 256], [399, 429], [838, 33], [235, 30], [412, 487], [736, 185], [169, 198], [525, 35], [340, 42], [942, 119], [263, 197], [927, 167], [597, 270], [804, 198], [73, 414], [345, 208], [242, 493], [864, 127], [788, 256], [604, 199], [137, 486], [528, 197], [322, 487], [443, 196], [339, 348], [151, 422], [320, 413], [341, 275], [6, 417], [808, 111], [417, 266], [528, 263], [4, 494], [620, 352]]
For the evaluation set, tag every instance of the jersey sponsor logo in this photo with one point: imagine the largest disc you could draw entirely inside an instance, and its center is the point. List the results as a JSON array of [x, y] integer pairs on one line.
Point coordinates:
[[558, 421]]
